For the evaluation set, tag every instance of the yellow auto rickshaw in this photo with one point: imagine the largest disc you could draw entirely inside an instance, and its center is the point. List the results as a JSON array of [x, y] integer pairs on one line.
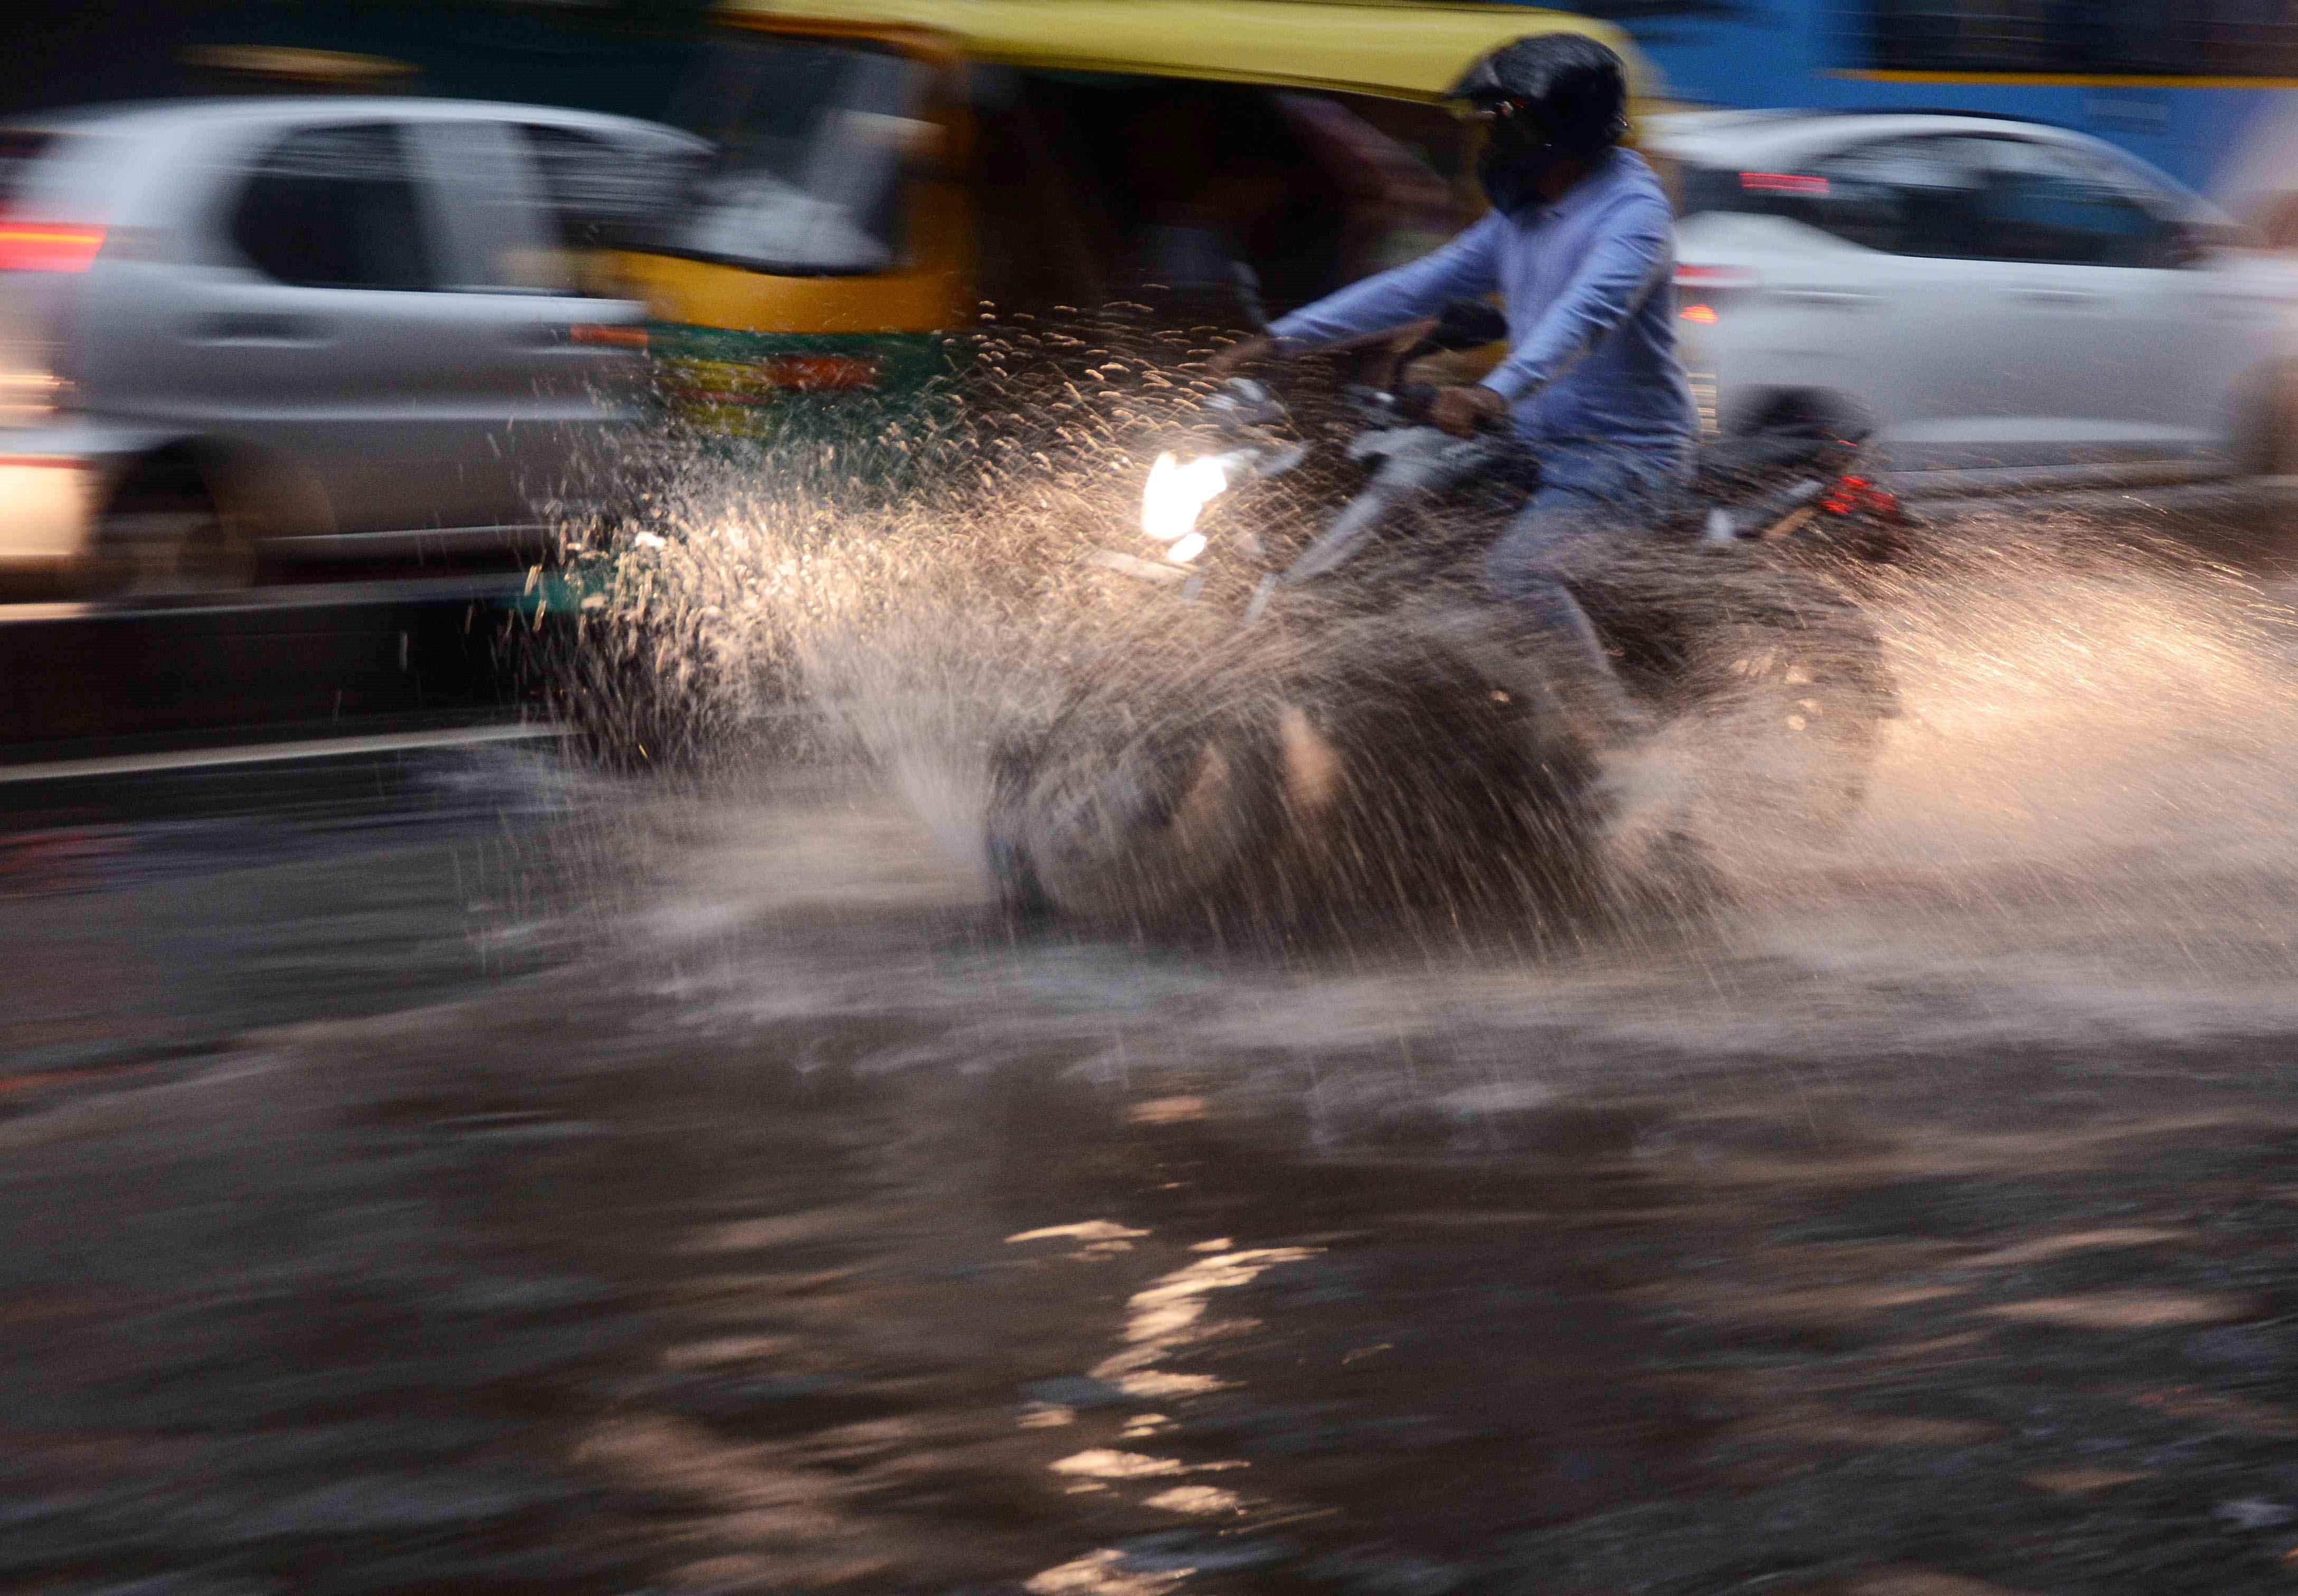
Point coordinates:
[[891, 171]]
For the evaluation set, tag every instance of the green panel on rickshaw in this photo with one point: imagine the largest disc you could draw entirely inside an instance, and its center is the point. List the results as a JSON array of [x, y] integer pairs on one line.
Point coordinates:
[[759, 385]]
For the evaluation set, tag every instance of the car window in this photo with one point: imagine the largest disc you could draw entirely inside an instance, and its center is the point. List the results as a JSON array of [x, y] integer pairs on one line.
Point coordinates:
[[814, 150], [496, 235], [1968, 196], [20, 150], [2048, 205], [602, 195], [1907, 196], [1933, 185], [336, 207]]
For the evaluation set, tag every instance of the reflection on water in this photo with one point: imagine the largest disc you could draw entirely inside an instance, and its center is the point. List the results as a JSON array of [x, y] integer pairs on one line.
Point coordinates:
[[930, 1325], [1169, 1314], [872, 1251], [1058, 1265]]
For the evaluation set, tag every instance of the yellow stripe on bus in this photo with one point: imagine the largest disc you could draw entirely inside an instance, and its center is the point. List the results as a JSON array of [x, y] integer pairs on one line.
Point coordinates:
[[2063, 80]]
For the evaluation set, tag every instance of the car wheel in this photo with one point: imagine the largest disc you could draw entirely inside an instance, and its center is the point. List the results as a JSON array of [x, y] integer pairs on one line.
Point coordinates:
[[2273, 445], [1805, 410], [164, 536]]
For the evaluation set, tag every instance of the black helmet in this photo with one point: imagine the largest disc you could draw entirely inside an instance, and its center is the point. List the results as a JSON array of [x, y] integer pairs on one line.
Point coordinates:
[[1573, 88]]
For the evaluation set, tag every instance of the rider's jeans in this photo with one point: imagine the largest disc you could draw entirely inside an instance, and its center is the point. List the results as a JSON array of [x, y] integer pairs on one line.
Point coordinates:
[[1582, 487]]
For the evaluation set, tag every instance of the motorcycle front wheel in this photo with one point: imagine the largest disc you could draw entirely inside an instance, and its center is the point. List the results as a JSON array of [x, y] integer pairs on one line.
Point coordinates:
[[1105, 824], [1422, 763]]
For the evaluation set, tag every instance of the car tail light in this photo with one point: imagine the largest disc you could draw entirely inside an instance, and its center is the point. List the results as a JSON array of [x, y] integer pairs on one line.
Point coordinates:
[[48, 246], [1691, 275], [1702, 290], [1800, 183], [1856, 493]]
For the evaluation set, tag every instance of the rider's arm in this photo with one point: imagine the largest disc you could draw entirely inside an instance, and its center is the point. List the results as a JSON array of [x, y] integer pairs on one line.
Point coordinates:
[[1464, 269], [1631, 259]]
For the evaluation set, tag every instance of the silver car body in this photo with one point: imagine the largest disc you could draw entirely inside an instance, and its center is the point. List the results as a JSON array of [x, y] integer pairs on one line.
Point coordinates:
[[1983, 364], [327, 418]]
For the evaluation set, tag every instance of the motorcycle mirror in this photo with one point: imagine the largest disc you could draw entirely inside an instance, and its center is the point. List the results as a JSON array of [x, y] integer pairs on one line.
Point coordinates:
[[1248, 296], [1468, 323], [1242, 402]]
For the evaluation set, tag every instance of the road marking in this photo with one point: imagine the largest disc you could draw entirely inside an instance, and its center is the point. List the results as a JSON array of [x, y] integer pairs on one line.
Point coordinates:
[[419, 589], [328, 747]]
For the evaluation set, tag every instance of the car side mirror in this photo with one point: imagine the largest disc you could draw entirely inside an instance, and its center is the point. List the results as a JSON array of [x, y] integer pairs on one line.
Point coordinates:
[[2184, 245], [2193, 240]]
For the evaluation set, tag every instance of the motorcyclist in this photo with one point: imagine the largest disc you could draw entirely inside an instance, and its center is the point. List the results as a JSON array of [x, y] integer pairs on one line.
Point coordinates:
[[1580, 246]]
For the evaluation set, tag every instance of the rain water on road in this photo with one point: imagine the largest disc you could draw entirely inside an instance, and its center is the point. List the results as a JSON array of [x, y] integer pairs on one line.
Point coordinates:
[[490, 1176]]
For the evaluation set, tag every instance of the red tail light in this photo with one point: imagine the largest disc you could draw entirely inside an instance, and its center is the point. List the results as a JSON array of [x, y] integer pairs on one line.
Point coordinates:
[[1782, 183], [48, 246], [1714, 276], [1852, 494], [1703, 289]]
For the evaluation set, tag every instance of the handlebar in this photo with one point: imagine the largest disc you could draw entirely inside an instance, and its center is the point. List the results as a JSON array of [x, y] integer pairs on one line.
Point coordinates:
[[1241, 404], [1464, 324], [1414, 400], [1409, 458]]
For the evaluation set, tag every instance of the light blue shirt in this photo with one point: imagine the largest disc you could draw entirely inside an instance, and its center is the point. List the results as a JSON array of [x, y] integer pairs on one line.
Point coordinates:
[[1588, 285]]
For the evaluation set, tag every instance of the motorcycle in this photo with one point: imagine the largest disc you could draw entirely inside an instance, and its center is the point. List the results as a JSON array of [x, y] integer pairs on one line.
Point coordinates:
[[1341, 716]]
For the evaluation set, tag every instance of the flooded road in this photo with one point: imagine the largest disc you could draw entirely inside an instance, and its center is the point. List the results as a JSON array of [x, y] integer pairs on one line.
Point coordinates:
[[469, 1174]]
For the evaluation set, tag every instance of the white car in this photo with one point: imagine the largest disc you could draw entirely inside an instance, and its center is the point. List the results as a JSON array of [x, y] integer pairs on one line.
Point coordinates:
[[2007, 303], [336, 327]]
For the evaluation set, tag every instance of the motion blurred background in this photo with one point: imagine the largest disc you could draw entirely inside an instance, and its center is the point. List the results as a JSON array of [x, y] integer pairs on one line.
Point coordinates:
[[620, 55], [430, 1162], [1855, 282], [2185, 84]]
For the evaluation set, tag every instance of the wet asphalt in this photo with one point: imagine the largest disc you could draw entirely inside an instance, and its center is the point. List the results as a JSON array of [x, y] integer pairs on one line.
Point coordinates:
[[462, 1170], [467, 1173]]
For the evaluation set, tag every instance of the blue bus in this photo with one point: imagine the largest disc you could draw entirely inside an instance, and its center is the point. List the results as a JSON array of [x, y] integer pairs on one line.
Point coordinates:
[[2206, 90]]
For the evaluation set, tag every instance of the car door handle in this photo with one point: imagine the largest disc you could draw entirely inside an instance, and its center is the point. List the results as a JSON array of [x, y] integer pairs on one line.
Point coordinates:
[[259, 327], [2065, 298], [1838, 298]]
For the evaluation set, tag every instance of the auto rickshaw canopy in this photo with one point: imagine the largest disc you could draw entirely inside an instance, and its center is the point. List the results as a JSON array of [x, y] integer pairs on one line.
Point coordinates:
[[1392, 49]]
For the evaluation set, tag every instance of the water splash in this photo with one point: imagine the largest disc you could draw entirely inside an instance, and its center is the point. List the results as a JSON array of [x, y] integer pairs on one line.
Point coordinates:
[[2092, 765]]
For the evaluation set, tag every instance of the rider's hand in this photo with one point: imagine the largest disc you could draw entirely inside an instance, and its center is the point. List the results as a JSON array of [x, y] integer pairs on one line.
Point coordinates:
[[1225, 364], [1458, 410]]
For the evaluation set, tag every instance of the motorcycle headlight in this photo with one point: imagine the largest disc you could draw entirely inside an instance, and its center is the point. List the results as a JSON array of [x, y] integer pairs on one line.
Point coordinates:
[[1176, 495]]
